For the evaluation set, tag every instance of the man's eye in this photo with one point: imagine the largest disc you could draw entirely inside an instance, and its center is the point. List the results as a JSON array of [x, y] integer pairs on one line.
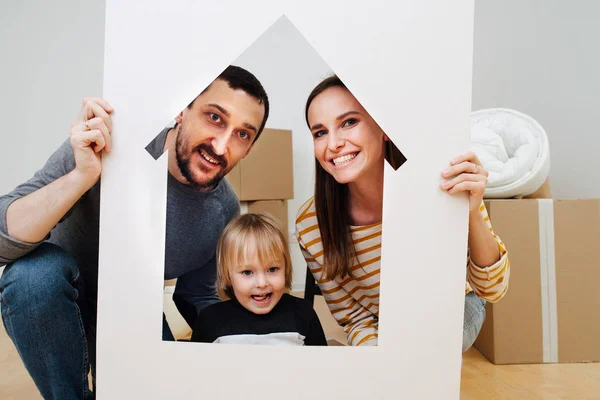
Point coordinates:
[[244, 135], [214, 117], [318, 134], [349, 122], [273, 269]]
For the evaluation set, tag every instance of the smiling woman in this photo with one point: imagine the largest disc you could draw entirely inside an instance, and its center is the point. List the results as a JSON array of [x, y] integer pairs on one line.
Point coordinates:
[[339, 229], [348, 143]]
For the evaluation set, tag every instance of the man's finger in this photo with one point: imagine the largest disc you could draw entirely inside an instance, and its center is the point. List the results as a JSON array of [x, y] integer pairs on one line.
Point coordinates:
[[95, 110], [96, 140], [98, 123], [93, 139], [103, 103]]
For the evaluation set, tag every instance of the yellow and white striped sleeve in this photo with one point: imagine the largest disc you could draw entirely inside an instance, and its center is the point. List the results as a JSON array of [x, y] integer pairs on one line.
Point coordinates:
[[490, 283]]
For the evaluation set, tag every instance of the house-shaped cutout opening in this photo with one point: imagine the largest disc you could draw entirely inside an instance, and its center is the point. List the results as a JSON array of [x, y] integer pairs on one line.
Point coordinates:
[[280, 167]]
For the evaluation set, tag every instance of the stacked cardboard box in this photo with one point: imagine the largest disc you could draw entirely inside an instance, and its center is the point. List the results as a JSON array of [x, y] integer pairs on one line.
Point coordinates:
[[550, 312], [264, 180]]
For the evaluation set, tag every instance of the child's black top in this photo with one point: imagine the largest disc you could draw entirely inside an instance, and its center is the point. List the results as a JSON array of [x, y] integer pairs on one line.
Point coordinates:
[[292, 321]]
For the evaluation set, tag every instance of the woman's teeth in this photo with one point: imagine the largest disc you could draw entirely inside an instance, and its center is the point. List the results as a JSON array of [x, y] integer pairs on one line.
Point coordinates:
[[344, 159], [209, 158]]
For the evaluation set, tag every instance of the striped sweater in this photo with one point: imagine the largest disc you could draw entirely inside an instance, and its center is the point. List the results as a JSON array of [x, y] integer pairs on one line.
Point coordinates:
[[354, 301]]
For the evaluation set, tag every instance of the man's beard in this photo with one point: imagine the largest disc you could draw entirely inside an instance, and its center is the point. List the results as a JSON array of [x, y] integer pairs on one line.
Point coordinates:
[[183, 154]]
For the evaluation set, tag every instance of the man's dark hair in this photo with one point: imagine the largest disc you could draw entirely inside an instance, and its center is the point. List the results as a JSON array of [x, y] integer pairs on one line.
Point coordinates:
[[239, 78]]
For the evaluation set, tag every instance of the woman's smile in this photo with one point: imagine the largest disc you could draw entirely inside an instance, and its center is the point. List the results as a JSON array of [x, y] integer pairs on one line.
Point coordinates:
[[341, 161]]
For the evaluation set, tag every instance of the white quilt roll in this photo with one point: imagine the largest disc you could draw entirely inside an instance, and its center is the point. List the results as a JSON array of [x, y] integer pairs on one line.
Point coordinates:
[[514, 148]]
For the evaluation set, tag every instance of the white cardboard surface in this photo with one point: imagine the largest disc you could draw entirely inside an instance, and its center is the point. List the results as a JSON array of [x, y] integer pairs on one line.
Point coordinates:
[[409, 63]]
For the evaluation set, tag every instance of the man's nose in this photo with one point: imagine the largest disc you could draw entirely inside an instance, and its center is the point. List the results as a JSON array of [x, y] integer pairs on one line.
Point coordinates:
[[220, 143], [335, 141]]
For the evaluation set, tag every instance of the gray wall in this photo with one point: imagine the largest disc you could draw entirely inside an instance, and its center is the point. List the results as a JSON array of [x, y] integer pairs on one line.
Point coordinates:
[[52, 56], [542, 57]]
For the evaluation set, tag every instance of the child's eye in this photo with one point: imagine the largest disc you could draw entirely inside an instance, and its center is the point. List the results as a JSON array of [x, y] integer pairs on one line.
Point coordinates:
[[247, 272], [272, 270]]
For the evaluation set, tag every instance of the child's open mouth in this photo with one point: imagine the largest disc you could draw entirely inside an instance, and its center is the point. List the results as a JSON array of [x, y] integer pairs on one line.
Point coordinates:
[[262, 298]]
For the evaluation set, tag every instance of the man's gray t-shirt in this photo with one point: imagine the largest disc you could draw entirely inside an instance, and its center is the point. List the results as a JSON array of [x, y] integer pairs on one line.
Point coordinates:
[[194, 223]]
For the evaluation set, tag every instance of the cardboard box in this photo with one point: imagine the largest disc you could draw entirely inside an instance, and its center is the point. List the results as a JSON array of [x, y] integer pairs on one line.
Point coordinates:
[[266, 173], [551, 312], [277, 208]]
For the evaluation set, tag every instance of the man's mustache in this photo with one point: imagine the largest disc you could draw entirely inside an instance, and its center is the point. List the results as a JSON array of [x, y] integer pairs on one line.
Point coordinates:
[[211, 153]]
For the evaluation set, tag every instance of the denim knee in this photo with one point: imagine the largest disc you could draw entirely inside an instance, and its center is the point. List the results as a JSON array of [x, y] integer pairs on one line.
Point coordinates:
[[35, 281], [473, 319]]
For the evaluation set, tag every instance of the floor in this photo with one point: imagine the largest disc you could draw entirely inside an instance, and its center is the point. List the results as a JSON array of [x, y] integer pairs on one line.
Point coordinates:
[[484, 380], [480, 378]]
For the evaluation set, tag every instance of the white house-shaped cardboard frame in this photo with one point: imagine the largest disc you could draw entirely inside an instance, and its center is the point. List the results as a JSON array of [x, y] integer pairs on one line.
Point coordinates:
[[409, 64]]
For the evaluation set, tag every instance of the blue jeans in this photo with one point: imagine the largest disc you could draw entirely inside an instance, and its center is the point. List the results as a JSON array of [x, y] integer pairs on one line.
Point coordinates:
[[51, 322], [474, 317], [48, 318]]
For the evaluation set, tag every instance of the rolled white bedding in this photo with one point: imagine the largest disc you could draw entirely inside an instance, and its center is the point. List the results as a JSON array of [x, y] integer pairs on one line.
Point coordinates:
[[514, 148]]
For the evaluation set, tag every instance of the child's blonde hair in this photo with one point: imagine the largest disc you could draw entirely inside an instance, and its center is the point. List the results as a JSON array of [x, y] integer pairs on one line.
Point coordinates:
[[258, 232]]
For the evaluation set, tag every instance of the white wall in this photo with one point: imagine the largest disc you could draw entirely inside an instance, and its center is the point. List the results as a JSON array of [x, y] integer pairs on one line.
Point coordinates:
[[539, 57], [542, 57], [289, 68]]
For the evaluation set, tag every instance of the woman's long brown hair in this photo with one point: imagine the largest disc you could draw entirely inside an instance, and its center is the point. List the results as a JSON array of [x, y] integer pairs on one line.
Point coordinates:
[[332, 207]]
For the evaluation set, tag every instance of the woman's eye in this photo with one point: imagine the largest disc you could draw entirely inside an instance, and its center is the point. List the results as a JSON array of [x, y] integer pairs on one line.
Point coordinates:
[[349, 122], [318, 134], [273, 269]]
